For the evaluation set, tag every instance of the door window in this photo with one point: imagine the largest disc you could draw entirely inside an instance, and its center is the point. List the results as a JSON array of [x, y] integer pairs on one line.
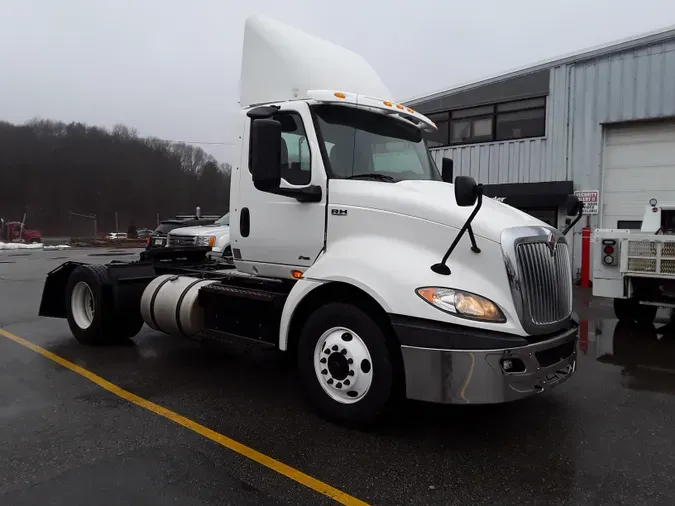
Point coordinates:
[[295, 156], [296, 166]]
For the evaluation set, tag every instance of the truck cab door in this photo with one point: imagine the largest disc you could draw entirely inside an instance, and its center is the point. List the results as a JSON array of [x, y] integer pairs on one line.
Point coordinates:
[[274, 234]]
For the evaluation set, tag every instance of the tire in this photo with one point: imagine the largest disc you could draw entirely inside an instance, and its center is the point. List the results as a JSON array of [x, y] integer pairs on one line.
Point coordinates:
[[630, 310], [346, 331], [92, 317], [227, 255], [645, 314]]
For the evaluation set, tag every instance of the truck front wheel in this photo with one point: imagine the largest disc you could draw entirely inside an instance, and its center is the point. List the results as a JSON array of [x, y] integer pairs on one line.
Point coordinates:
[[346, 365], [630, 310]]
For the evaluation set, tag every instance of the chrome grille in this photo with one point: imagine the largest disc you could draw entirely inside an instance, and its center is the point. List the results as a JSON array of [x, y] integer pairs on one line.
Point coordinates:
[[540, 277], [546, 280], [182, 240]]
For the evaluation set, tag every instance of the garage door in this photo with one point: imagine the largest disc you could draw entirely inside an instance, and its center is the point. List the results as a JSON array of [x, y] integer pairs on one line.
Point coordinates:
[[638, 164]]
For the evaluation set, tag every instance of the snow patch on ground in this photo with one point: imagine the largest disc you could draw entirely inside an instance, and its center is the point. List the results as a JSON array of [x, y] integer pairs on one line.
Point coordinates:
[[18, 245]]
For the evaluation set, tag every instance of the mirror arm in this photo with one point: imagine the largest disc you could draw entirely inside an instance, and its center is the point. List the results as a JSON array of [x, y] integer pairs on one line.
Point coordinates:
[[310, 193], [441, 268], [576, 220], [474, 246]]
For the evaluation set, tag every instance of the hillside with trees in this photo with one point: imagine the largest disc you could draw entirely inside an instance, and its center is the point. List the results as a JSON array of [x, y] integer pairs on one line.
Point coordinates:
[[54, 171]]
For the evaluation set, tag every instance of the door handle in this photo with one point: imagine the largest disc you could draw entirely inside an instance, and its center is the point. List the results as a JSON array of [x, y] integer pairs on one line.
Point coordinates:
[[244, 222]]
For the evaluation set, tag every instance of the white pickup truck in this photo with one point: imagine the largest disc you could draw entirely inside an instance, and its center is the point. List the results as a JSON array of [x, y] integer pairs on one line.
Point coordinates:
[[636, 268], [216, 236], [351, 251]]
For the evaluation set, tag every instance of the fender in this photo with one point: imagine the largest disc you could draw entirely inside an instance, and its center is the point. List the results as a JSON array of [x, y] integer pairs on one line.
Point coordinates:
[[391, 279], [302, 289]]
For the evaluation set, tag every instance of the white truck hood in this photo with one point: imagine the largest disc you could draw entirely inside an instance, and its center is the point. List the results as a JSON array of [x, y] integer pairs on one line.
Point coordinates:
[[429, 200], [201, 230]]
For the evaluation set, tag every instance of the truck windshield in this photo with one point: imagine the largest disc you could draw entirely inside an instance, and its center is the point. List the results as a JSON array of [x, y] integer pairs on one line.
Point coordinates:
[[223, 220], [368, 145], [166, 226]]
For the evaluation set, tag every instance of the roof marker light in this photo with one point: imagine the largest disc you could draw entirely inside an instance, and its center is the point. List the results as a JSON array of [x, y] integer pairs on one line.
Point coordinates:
[[399, 106], [339, 94], [387, 103], [411, 111]]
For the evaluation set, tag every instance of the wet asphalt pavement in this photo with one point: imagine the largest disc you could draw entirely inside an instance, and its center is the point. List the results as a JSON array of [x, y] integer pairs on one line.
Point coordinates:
[[605, 437]]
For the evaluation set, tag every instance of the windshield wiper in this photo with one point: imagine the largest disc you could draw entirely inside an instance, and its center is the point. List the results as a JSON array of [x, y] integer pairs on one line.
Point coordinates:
[[379, 177]]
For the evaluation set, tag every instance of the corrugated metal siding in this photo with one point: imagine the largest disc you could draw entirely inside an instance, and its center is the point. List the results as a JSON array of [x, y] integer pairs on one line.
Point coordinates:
[[630, 86], [499, 162], [520, 161], [633, 85]]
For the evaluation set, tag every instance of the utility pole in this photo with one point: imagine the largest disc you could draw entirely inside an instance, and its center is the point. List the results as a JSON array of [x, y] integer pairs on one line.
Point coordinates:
[[90, 217], [23, 224]]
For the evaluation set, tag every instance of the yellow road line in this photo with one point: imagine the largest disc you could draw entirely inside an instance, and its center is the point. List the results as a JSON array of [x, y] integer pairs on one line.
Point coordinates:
[[241, 449]]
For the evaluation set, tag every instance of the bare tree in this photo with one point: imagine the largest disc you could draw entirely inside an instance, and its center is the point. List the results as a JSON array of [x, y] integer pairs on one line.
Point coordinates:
[[48, 168]]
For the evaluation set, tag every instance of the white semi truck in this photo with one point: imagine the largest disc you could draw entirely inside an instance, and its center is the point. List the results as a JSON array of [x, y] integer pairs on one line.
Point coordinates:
[[352, 252], [636, 268]]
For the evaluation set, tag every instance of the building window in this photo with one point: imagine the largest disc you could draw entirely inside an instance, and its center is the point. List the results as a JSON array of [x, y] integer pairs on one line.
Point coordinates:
[[471, 125], [439, 138], [522, 119], [497, 122]]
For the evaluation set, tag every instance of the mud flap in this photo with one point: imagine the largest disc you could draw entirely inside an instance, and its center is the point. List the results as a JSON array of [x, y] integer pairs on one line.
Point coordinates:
[[53, 302]]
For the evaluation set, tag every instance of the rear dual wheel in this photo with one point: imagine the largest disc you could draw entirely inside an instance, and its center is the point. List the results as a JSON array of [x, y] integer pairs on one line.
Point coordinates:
[[92, 316]]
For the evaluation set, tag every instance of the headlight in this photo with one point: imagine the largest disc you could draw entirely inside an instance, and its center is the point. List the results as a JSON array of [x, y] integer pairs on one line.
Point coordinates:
[[206, 240], [460, 303]]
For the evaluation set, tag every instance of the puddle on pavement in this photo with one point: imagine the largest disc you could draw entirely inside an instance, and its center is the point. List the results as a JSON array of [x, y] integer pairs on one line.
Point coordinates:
[[645, 354]]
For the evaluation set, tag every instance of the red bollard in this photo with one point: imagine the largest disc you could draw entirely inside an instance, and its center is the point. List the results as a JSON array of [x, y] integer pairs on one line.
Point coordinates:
[[586, 257]]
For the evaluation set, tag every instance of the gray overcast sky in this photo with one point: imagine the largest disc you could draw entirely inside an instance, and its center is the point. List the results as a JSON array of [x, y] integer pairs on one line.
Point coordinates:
[[170, 68]]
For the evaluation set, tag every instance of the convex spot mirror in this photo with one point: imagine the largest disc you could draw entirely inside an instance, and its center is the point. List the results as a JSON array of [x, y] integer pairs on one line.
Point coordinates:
[[573, 205], [466, 191]]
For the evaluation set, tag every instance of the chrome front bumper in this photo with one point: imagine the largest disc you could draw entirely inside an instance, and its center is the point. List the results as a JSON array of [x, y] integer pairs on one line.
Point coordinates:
[[477, 376]]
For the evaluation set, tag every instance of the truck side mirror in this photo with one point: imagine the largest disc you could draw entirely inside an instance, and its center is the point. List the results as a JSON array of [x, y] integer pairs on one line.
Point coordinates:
[[466, 191], [573, 205], [446, 169], [266, 154]]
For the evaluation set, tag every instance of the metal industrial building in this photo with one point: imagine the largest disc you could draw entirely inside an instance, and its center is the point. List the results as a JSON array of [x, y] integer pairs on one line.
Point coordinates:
[[598, 121]]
